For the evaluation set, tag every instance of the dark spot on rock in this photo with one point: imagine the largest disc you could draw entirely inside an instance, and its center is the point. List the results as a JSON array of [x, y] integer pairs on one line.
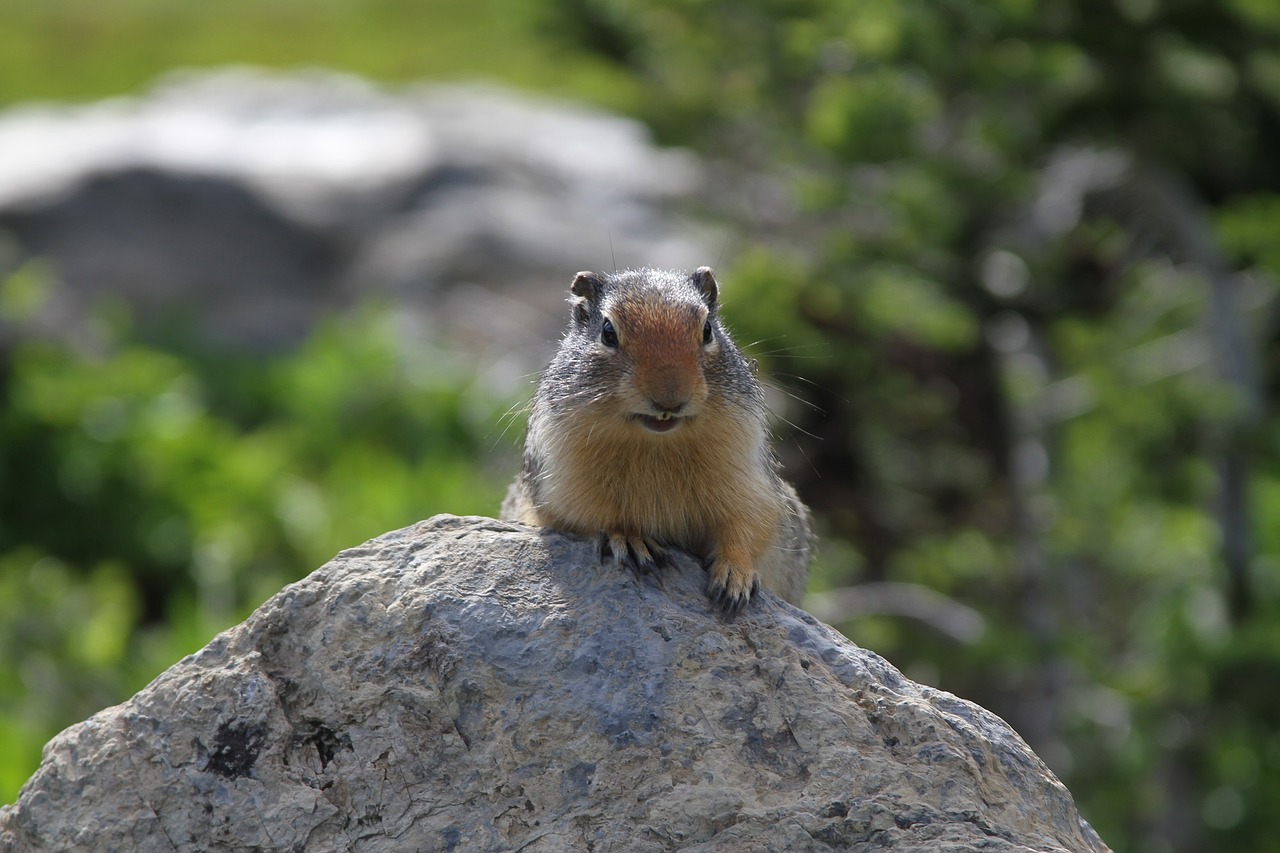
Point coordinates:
[[470, 722], [836, 809], [577, 780], [834, 835], [936, 753], [584, 665], [235, 749], [328, 743], [987, 829]]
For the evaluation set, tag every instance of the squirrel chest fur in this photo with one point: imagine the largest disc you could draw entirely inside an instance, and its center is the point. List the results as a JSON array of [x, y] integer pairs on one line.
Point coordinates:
[[649, 429]]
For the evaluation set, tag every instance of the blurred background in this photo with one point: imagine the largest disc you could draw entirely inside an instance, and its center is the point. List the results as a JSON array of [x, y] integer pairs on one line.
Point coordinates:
[[275, 278]]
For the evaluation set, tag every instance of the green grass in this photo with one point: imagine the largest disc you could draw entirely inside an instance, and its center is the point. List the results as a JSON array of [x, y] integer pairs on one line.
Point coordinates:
[[73, 50]]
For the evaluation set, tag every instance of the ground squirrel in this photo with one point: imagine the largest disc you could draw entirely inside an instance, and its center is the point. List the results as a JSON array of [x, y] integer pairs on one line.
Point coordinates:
[[649, 429]]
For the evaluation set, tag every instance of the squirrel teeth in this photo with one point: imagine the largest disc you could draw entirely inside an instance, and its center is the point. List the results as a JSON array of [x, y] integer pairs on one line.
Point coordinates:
[[662, 422]]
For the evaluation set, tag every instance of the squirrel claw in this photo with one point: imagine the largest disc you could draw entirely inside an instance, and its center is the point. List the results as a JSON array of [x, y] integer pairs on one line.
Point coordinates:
[[730, 593], [641, 555]]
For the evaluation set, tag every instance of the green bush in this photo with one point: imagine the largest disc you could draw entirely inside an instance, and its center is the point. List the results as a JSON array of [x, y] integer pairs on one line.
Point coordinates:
[[1065, 432], [1042, 432], [150, 499]]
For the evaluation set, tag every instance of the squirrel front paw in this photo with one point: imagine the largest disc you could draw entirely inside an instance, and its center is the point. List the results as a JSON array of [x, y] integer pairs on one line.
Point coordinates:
[[731, 586], [640, 554]]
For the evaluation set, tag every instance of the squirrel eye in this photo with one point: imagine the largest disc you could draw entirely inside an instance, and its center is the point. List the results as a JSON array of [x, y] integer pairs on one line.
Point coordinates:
[[608, 335], [706, 331]]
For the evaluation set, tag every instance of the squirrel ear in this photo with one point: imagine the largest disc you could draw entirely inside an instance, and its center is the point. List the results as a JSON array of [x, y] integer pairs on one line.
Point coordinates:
[[586, 290], [705, 280]]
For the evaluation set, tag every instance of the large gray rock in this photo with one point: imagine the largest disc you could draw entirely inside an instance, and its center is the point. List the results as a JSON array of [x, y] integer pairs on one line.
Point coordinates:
[[473, 684], [241, 205]]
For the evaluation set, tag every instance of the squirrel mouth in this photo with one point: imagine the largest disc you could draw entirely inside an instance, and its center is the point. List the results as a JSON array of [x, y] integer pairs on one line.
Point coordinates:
[[664, 422]]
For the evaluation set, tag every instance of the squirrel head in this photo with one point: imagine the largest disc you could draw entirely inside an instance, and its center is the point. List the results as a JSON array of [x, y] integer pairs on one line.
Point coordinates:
[[651, 334]]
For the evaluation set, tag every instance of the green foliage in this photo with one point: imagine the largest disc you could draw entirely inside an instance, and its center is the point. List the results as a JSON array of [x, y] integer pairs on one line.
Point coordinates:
[[869, 117], [1044, 428], [1038, 428], [149, 499], [1248, 228], [67, 49]]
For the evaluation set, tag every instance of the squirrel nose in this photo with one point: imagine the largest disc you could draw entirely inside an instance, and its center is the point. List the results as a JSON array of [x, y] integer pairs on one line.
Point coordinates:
[[668, 387]]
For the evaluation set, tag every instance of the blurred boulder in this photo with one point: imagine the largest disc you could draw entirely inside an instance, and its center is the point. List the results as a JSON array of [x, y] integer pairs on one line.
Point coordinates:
[[241, 205], [478, 685]]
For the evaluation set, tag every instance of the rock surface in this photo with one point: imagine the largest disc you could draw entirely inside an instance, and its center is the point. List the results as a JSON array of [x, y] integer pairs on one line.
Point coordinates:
[[472, 684]]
